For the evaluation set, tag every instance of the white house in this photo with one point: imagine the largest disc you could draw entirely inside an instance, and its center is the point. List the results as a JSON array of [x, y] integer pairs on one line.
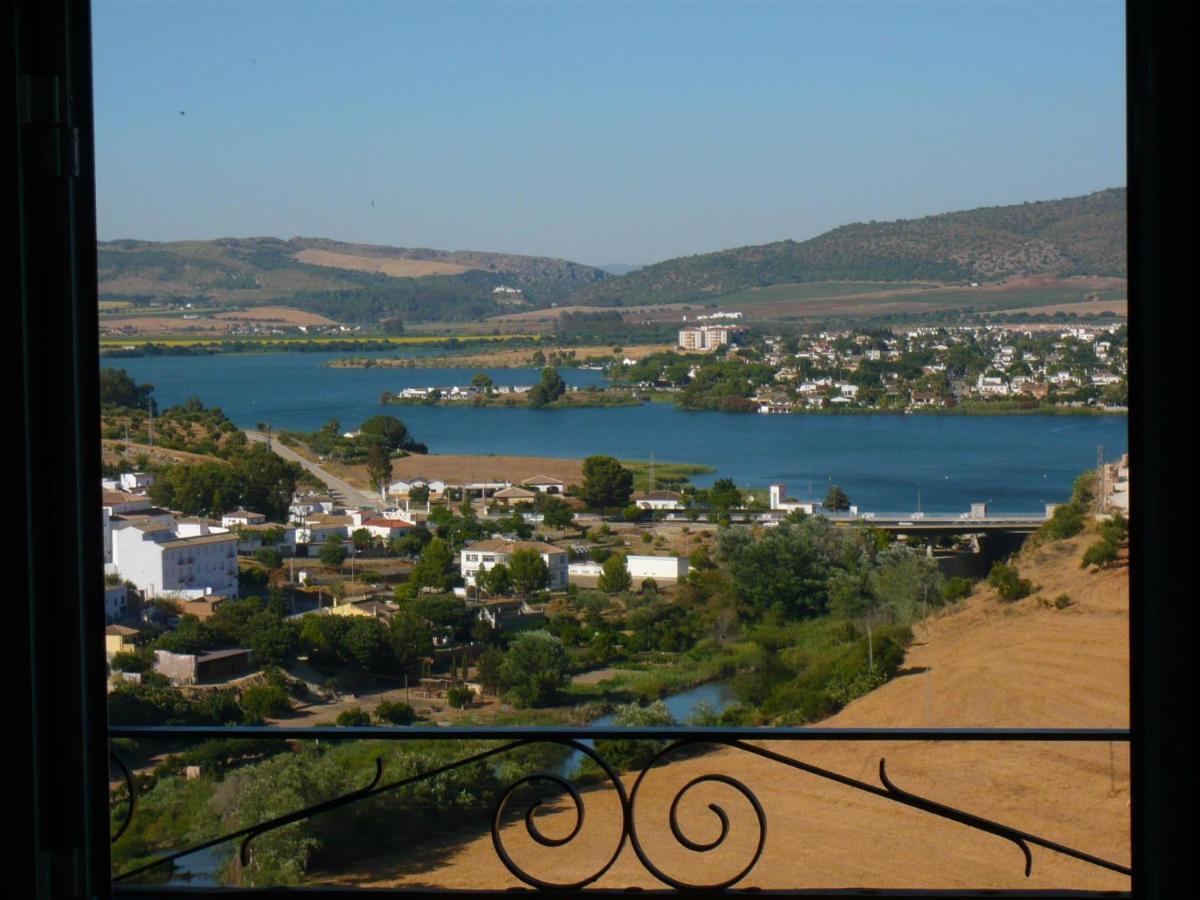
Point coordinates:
[[545, 484], [318, 527], [242, 517], [160, 561], [482, 555], [657, 500], [779, 499], [136, 482], [670, 568], [403, 487], [386, 528]]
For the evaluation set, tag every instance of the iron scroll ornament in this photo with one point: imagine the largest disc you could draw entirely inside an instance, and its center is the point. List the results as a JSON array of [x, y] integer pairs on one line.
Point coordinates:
[[888, 790]]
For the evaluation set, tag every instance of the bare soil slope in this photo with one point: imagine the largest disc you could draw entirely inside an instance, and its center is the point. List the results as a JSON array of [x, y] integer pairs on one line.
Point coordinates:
[[983, 663]]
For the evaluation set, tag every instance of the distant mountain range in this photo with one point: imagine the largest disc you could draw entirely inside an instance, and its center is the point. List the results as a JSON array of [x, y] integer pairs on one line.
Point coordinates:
[[1075, 236], [364, 283]]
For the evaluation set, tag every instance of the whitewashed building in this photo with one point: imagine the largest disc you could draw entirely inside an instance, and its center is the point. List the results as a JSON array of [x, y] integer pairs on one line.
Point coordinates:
[[160, 561], [482, 555]]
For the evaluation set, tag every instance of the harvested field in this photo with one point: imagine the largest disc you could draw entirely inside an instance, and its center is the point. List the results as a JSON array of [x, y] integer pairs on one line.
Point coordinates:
[[982, 663], [397, 268], [280, 314], [456, 468]]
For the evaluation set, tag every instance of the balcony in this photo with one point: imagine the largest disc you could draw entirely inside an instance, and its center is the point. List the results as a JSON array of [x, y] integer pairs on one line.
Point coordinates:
[[568, 809]]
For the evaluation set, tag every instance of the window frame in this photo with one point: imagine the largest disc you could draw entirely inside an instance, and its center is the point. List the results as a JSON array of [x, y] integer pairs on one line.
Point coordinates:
[[57, 686]]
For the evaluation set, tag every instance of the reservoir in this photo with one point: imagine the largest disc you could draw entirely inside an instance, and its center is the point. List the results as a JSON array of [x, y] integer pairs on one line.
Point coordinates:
[[885, 463]]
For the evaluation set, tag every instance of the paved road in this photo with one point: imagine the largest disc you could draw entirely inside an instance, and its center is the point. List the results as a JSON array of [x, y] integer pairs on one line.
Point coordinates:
[[343, 492]]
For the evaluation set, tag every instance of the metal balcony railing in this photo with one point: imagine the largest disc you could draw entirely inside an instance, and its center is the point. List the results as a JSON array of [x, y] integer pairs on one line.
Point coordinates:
[[675, 743]]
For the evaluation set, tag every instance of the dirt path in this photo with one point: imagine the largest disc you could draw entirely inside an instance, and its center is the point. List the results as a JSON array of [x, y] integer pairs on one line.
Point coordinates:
[[985, 663]]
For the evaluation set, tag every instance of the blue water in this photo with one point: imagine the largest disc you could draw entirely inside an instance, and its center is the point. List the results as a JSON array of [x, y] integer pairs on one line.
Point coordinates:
[[1016, 463], [717, 694]]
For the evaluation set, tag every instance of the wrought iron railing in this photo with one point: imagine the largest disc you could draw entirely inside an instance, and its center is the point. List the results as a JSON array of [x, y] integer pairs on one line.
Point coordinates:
[[674, 741]]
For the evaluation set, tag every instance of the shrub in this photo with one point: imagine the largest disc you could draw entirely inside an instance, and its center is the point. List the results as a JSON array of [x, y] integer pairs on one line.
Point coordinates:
[[1099, 554], [460, 696], [133, 661], [395, 713], [956, 588], [627, 755], [353, 716], [1008, 582], [647, 537], [649, 586], [269, 557], [1062, 601], [264, 701]]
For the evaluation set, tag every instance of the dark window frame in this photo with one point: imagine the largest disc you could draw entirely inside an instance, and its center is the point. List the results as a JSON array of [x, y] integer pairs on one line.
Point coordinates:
[[56, 689]]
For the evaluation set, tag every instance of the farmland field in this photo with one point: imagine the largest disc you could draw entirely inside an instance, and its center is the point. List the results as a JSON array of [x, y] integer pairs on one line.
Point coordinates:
[[397, 268]]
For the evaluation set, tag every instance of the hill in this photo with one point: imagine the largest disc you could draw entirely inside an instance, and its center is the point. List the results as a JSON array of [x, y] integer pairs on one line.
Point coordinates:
[[346, 282], [982, 663], [1061, 238]]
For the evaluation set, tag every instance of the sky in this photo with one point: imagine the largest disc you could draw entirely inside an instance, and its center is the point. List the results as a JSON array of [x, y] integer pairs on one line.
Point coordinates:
[[602, 132]]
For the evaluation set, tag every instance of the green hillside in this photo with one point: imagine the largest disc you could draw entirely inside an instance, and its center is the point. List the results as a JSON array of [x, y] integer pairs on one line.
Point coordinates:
[[1075, 236], [247, 272]]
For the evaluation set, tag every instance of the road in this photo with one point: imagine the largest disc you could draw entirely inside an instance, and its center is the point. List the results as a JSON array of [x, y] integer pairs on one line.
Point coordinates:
[[342, 491]]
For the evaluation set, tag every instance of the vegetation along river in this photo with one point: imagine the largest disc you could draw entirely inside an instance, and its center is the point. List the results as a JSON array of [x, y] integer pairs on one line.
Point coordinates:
[[883, 462]]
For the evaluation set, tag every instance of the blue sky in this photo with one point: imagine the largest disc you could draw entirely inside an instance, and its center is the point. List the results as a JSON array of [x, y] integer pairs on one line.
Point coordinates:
[[597, 131]]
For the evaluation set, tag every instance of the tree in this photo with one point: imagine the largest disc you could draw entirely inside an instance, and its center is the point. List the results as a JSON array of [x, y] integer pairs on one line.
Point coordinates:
[[118, 389], [606, 483], [390, 430], [488, 670], [836, 500], [332, 551], [555, 511], [361, 539], [534, 669], [433, 569], [549, 389], [850, 597], [411, 639], [496, 580], [528, 570], [419, 494], [379, 465], [482, 381], [724, 496], [614, 575], [273, 639]]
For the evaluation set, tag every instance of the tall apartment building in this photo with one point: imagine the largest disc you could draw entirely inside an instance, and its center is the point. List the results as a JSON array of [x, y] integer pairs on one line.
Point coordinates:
[[705, 337], [160, 561]]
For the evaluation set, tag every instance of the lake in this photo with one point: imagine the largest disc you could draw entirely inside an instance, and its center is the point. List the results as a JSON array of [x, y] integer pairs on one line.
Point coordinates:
[[885, 463]]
